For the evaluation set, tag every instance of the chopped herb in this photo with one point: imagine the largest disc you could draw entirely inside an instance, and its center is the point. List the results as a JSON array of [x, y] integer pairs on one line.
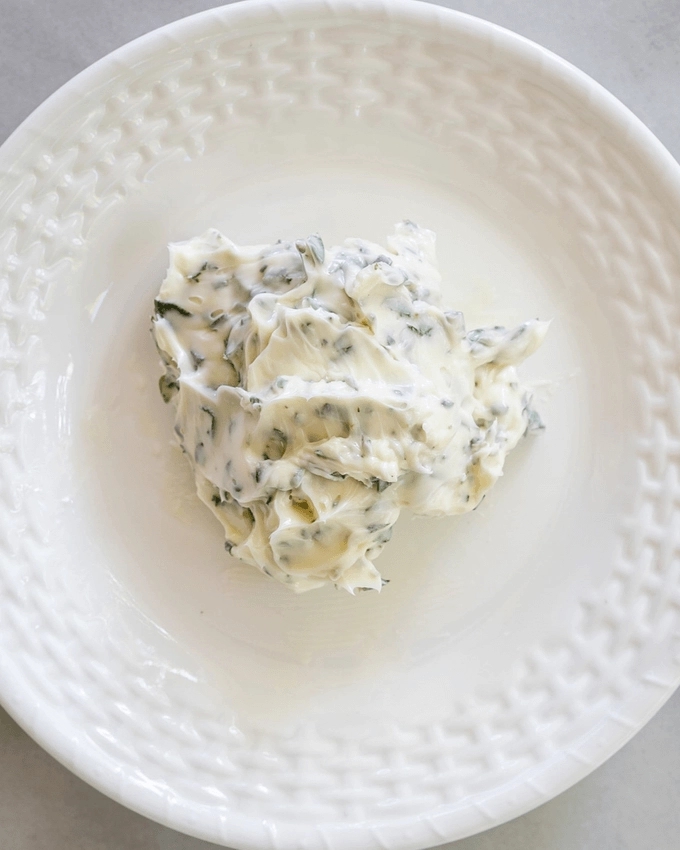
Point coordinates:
[[422, 329], [401, 308], [164, 307], [168, 388], [213, 421], [275, 447], [343, 346], [194, 277]]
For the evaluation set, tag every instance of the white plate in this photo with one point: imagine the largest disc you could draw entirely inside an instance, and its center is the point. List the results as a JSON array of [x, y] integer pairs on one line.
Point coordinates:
[[516, 648]]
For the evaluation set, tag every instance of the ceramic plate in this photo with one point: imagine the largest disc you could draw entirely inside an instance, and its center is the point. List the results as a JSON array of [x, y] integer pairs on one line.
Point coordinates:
[[515, 648]]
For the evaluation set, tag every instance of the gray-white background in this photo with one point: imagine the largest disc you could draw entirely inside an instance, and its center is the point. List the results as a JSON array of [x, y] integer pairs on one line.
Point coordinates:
[[632, 47]]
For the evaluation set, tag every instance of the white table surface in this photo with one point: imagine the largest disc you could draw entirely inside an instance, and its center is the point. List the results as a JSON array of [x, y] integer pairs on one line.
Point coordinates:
[[630, 46]]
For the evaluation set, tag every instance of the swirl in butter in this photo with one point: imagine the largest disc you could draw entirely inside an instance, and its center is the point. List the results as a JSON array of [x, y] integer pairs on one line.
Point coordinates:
[[317, 392]]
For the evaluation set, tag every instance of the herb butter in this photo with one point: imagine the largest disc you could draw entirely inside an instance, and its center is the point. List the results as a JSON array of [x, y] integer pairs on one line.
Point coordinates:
[[317, 392]]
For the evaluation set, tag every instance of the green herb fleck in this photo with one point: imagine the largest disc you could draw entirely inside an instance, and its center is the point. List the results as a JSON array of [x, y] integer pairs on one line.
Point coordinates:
[[164, 307]]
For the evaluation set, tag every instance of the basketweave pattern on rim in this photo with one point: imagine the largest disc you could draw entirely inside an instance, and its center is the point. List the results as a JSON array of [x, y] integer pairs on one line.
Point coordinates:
[[167, 106]]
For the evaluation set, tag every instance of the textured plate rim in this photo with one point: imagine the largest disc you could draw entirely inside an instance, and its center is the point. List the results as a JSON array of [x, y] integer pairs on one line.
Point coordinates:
[[611, 735]]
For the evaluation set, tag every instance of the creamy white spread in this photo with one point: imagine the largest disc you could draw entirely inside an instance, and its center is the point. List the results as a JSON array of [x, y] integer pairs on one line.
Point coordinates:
[[317, 392]]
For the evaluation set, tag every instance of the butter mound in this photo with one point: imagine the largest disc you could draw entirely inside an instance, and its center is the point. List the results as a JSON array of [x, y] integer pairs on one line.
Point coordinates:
[[317, 392]]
